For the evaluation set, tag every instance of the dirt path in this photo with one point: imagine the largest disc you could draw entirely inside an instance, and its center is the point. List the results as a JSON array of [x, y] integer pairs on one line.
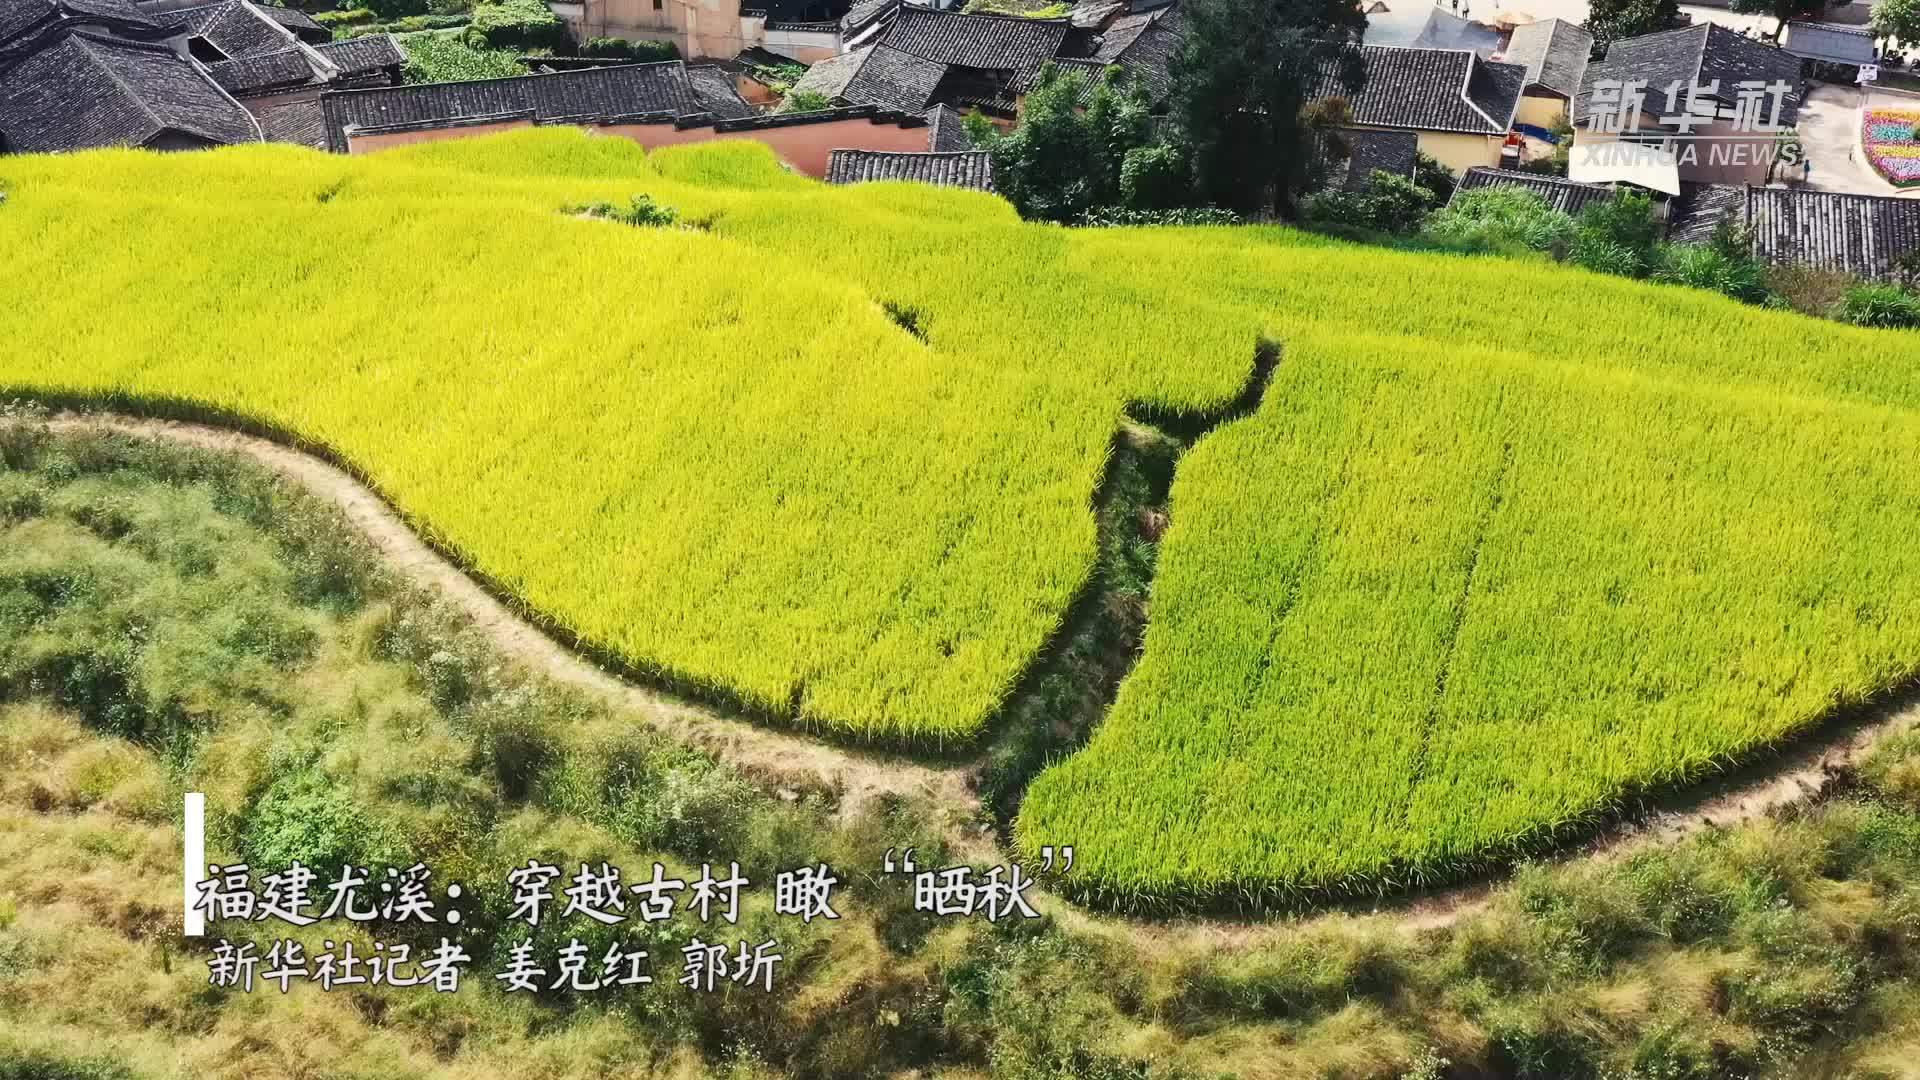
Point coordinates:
[[1807, 770], [772, 757]]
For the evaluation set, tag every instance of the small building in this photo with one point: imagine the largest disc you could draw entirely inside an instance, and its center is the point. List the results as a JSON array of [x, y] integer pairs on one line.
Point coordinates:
[[1707, 138], [1832, 51], [80, 74], [1567, 196], [1555, 53], [1459, 107], [966, 169]]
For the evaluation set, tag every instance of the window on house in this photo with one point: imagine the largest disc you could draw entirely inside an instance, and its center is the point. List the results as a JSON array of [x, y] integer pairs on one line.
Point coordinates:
[[658, 4]]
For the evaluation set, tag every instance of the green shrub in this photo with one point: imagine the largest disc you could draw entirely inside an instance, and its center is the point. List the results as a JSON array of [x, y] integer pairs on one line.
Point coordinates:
[[521, 25], [1887, 306], [1504, 220], [1705, 268], [1388, 203], [645, 52], [37, 1065], [345, 17], [1110, 216], [1619, 235], [1156, 177], [442, 57], [799, 101]]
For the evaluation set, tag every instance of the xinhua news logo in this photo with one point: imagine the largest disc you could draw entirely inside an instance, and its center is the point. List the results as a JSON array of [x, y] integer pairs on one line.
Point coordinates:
[[1689, 124]]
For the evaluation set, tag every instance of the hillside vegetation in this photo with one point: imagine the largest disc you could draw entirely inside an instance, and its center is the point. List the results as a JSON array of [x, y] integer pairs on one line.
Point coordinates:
[[1470, 576]]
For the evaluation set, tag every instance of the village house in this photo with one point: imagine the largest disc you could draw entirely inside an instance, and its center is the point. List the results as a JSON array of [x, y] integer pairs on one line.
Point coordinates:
[[81, 74], [664, 104], [1555, 53], [1866, 236], [1626, 123], [1459, 107]]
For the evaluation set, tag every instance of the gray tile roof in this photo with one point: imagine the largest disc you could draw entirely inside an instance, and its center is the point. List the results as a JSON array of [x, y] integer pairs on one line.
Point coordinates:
[[237, 29], [1149, 56], [714, 94], [589, 93], [1830, 42], [946, 133], [1699, 209], [363, 56], [91, 90], [1692, 55], [996, 42], [1566, 196], [829, 77], [1370, 150], [1856, 234], [22, 18], [865, 13], [301, 23], [1433, 90], [263, 72], [302, 123], [894, 80], [967, 169], [1554, 52], [1124, 31]]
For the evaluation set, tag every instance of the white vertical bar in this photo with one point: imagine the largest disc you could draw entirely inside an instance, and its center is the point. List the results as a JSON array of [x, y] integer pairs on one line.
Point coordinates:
[[195, 860]]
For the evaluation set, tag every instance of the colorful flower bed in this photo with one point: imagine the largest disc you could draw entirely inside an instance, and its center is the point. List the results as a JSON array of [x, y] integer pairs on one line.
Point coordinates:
[[1892, 144]]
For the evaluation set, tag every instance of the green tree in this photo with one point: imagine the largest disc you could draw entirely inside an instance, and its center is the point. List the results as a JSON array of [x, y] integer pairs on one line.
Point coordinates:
[[1616, 20], [1064, 160], [1897, 19], [1781, 10], [1244, 72]]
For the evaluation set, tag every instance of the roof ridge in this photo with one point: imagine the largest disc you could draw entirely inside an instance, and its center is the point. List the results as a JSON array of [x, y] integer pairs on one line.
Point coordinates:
[[114, 76], [1067, 21], [501, 78]]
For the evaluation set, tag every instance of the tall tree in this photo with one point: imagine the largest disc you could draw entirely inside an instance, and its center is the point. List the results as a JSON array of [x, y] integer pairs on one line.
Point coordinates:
[[1244, 72], [1782, 10], [1898, 19], [1064, 160], [1616, 20]]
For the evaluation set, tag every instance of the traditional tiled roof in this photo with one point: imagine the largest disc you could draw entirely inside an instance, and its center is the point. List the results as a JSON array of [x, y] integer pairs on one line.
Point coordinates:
[[302, 123], [1856, 234], [1554, 52], [1433, 90], [20, 19], [996, 42], [1830, 42], [1699, 209], [1123, 31], [864, 14], [1371, 150], [301, 23], [237, 29], [829, 77], [263, 72], [946, 133], [714, 94], [1419, 24], [967, 169], [1149, 56], [893, 79], [1693, 55], [589, 93], [1566, 196], [363, 56], [91, 90]]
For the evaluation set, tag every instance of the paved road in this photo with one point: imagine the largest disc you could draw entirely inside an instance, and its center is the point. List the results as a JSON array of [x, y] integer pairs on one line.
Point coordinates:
[[1830, 134]]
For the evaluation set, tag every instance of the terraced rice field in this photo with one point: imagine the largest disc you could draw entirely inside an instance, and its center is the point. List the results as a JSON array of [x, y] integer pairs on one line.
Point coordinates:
[[1465, 580]]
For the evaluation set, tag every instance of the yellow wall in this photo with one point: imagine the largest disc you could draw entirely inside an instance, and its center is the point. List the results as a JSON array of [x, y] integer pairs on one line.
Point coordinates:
[[1540, 111], [1460, 152]]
